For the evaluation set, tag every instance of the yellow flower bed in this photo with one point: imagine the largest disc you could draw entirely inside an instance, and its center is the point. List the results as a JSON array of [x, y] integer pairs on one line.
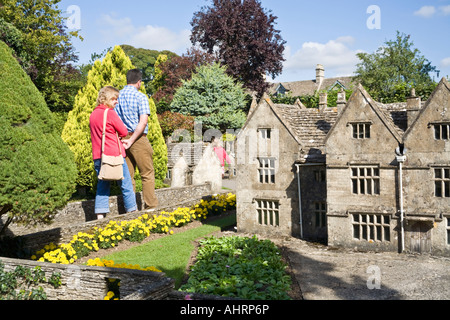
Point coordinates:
[[83, 243], [97, 262]]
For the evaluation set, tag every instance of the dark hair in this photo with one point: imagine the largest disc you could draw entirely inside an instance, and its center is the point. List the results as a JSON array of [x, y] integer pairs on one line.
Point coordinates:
[[134, 76]]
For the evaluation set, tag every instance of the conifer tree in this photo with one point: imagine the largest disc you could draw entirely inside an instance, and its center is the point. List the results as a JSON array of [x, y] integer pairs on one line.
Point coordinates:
[[109, 72], [37, 169]]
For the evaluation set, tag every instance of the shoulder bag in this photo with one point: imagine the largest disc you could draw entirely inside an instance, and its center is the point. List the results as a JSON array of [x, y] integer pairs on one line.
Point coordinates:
[[112, 166]]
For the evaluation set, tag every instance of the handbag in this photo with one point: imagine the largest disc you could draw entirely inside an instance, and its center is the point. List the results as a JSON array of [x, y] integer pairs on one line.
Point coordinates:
[[111, 166]]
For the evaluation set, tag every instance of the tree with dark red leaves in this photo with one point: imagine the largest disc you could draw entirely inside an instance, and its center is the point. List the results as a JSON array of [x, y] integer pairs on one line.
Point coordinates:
[[244, 37]]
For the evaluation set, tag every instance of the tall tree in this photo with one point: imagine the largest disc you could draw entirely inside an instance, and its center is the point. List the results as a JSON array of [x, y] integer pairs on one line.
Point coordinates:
[[49, 49], [213, 98], [145, 59], [171, 71], [37, 169], [111, 71], [394, 69], [245, 38]]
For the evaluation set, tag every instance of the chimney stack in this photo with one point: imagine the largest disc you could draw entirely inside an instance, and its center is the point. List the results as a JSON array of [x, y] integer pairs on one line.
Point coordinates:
[[323, 101], [341, 100], [413, 106], [320, 74]]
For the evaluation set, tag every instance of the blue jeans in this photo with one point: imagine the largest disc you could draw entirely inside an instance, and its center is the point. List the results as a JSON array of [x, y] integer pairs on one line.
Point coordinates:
[[103, 191]]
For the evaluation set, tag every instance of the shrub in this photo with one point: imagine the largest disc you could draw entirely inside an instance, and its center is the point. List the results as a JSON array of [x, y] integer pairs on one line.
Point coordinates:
[[111, 71], [241, 267], [37, 169]]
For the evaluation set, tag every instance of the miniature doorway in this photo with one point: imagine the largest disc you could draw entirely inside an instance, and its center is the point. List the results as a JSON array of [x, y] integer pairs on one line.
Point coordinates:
[[421, 237]]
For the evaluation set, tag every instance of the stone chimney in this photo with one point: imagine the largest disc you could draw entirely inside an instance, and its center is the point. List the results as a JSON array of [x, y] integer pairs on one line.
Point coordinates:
[[341, 100], [323, 101], [413, 106], [320, 74]]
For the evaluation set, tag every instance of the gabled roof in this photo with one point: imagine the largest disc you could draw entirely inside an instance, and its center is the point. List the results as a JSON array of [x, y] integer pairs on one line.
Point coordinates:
[[308, 127], [310, 87], [385, 113], [192, 153], [443, 85]]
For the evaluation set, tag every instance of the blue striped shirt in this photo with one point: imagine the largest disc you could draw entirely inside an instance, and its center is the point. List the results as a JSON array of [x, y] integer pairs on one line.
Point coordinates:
[[132, 105]]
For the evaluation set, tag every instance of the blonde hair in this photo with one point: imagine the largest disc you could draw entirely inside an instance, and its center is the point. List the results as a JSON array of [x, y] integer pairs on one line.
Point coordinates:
[[106, 94]]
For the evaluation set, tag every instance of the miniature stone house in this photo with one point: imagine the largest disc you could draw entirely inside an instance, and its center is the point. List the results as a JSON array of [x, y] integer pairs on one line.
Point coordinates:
[[278, 145], [362, 175], [388, 174]]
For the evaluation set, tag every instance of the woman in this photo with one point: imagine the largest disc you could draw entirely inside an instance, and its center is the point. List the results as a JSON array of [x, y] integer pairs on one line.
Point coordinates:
[[221, 153], [107, 100]]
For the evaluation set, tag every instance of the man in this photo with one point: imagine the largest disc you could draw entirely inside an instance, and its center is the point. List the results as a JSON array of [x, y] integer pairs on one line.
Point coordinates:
[[134, 110]]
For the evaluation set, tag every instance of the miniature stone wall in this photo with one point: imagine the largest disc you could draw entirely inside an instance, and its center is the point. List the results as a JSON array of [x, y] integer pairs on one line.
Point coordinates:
[[90, 283], [80, 217]]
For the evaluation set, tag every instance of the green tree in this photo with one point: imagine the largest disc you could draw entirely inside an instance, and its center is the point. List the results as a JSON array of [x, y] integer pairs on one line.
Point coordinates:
[[111, 71], [50, 54], [213, 98], [145, 59], [394, 69], [170, 71], [37, 169]]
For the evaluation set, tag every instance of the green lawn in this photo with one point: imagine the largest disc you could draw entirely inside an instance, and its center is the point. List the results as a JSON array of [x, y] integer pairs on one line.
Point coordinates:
[[170, 254]]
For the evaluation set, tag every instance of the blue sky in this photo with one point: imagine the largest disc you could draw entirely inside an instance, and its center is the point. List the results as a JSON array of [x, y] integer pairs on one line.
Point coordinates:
[[317, 32]]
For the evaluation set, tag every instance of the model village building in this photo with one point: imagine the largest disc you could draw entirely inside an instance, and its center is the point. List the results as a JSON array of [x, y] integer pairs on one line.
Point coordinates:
[[361, 175]]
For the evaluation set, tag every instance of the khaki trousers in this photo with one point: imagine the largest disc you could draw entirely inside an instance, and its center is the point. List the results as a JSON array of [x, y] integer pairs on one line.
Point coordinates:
[[141, 155]]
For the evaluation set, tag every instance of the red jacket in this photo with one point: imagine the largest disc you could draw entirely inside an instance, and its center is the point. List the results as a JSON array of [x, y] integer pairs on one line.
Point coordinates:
[[113, 125]]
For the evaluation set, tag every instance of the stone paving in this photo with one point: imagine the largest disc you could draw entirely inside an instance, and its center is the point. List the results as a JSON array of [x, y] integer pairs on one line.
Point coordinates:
[[324, 273]]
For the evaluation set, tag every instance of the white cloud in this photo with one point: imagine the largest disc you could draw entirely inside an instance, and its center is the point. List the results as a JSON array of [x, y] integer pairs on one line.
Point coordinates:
[[160, 38], [335, 55], [122, 31], [426, 11], [445, 62], [445, 10]]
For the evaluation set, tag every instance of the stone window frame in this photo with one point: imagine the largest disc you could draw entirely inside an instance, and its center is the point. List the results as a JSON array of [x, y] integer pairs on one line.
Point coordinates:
[[441, 182], [265, 133], [448, 230], [365, 182], [441, 130], [268, 212], [361, 130], [320, 214], [371, 227], [266, 170]]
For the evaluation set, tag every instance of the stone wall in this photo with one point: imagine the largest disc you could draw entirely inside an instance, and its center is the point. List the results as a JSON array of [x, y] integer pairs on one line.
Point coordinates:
[[91, 283], [79, 216]]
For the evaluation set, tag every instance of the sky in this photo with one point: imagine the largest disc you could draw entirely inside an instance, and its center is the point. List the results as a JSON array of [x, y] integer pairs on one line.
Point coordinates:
[[324, 32]]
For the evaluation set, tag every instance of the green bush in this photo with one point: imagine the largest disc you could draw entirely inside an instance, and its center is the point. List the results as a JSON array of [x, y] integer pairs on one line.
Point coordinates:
[[213, 98], [37, 169], [241, 267]]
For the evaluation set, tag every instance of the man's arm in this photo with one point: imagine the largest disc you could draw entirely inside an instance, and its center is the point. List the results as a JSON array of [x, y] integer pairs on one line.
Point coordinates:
[[143, 120]]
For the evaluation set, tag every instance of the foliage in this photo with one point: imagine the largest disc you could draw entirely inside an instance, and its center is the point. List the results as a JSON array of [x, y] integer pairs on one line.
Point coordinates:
[[311, 101], [172, 254], [145, 60], [213, 98], [83, 243], [37, 170], [21, 283], [171, 71], [172, 121], [245, 38], [394, 69], [241, 267], [45, 50], [111, 71]]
